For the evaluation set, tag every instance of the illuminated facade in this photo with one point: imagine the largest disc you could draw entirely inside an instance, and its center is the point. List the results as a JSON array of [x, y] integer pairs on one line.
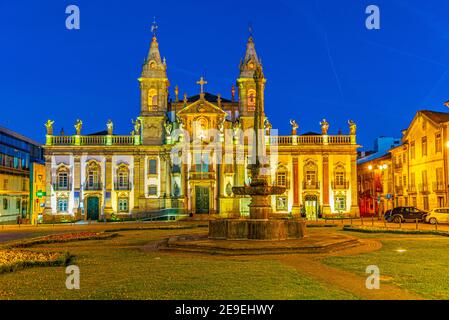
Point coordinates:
[[18, 155], [111, 175], [415, 173]]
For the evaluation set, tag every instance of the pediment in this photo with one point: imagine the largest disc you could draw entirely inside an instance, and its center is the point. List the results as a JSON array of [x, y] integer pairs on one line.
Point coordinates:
[[201, 107]]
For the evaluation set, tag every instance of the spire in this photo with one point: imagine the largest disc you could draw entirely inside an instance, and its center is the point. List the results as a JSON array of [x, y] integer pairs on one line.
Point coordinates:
[[154, 66], [251, 60]]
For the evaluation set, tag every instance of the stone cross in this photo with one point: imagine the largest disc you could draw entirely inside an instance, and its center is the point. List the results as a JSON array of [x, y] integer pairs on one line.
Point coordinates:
[[202, 82]]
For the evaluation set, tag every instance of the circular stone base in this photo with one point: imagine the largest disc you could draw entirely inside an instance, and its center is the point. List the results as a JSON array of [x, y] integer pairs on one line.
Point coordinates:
[[252, 229], [313, 244]]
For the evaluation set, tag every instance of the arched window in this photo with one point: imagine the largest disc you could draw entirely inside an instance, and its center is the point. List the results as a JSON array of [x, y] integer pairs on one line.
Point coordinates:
[[310, 175], [62, 179], [93, 181], [251, 100], [152, 99], [282, 177], [122, 182], [340, 177]]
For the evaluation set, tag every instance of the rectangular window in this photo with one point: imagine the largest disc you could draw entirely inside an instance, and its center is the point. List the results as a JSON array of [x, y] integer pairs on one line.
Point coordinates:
[[5, 184], [63, 204], [438, 143], [414, 202], [441, 201], [281, 203], [152, 166], [424, 177], [152, 190], [63, 180], [340, 203], [426, 203], [412, 179], [281, 179], [24, 184], [5, 204], [412, 150], [123, 205], [404, 158], [424, 146], [18, 204], [404, 180]]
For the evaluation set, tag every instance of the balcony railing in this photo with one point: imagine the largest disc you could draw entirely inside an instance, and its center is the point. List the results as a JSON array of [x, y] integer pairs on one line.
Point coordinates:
[[424, 188], [411, 189], [340, 185], [307, 140], [123, 186], [438, 187], [307, 185], [62, 186], [398, 166], [93, 186], [92, 140]]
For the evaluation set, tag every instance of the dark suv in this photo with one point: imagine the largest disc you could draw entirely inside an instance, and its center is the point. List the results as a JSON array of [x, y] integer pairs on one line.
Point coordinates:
[[405, 214]]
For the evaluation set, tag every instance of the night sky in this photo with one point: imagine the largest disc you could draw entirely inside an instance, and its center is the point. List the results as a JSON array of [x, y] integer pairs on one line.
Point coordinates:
[[318, 57]]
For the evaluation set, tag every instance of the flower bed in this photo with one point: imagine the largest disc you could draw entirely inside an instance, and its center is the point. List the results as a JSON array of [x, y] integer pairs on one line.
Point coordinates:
[[11, 260], [61, 238]]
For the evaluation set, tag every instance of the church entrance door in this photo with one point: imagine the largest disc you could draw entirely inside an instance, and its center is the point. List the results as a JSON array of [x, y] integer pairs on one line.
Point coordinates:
[[93, 208], [311, 205], [201, 200]]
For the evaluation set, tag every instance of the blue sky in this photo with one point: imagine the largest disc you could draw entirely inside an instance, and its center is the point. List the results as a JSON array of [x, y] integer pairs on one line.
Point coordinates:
[[319, 59]]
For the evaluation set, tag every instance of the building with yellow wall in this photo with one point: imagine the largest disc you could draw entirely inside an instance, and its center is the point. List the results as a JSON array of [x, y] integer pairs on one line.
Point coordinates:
[[420, 163], [187, 153]]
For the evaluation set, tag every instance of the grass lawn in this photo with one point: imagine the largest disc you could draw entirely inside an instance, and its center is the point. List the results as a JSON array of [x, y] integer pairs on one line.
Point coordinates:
[[422, 268], [118, 269]]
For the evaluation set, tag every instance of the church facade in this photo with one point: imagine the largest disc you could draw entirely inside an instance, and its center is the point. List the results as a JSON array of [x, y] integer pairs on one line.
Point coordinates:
[[185, 155]]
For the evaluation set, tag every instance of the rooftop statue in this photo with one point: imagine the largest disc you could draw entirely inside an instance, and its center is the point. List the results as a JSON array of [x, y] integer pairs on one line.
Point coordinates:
[[78, 126], [352, 128], [49, 126], [295, 127], [110, 126], [324, 127]]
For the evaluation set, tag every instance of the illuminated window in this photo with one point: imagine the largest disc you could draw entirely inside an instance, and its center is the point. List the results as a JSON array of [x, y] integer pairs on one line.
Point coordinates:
[[152, 166], [340, 203], [63, 204], [152, 100], [412, 150], [152, 190], [251, 100], [123, 205], [424, 146]]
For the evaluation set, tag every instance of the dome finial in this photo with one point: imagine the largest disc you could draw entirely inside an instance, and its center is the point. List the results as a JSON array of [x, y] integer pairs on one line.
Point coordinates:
[[154, 27]]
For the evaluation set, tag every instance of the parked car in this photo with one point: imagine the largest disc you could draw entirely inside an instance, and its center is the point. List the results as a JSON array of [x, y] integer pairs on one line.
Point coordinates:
[[405, 214], [438, 215]]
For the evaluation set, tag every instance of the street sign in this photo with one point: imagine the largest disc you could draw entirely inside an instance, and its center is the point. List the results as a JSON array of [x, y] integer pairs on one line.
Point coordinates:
[[41, 194]]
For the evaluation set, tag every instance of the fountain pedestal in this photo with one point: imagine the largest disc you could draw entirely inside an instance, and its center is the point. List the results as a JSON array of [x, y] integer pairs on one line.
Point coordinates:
[[261, 225]]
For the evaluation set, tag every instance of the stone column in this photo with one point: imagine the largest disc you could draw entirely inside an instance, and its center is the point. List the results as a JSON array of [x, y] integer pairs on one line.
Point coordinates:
[[48, 187], [138, 187], [108, 183], [325, 187], [295, 179], [354, 194], [76, 179]]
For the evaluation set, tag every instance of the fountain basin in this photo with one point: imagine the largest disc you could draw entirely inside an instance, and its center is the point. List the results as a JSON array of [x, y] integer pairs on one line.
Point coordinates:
[[256, 229]]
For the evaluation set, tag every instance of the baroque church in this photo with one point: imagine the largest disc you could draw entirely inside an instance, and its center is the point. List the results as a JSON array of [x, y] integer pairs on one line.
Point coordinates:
[[186, 154]]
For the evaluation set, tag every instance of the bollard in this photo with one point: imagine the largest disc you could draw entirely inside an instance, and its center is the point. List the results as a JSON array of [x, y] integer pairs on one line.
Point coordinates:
[[417, 225], [372, 221], [436, 226], [400, 224], [351, 221], [361, 221]]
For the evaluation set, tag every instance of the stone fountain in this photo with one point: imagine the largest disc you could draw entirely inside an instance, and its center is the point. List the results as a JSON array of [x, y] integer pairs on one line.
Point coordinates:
[[262, 223]]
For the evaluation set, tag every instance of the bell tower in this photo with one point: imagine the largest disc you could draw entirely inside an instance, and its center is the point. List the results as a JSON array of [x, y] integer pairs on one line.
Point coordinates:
[[153, 94], [247, 90]]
